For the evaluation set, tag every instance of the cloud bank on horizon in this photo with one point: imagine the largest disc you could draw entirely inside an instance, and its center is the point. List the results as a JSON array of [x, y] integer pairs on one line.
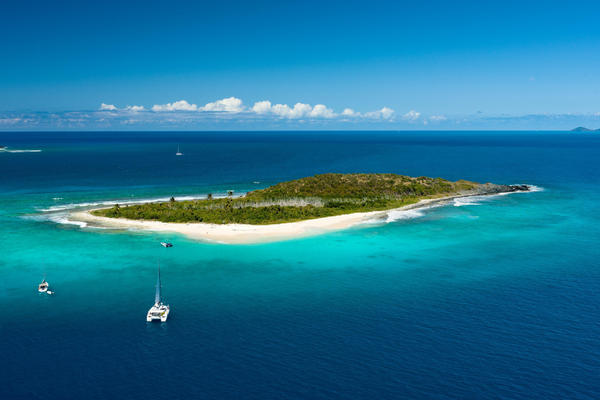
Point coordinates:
[[233, 105], [231, 113], [184, 115]]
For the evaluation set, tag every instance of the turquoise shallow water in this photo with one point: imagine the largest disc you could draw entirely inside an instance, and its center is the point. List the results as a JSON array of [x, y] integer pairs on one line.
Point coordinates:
[[495, 297]]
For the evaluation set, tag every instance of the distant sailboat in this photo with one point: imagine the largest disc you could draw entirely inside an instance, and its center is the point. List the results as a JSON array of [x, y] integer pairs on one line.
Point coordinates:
[[43, 287], [159, 310], [178, 153]]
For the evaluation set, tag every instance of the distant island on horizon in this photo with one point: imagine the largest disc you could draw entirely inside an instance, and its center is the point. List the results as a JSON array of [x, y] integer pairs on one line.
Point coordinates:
[[308, 198], [584, 129]]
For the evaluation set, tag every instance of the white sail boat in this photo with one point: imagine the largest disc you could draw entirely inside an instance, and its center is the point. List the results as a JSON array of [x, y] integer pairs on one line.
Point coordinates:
[[159, 310], [178, 153], [43, 287]]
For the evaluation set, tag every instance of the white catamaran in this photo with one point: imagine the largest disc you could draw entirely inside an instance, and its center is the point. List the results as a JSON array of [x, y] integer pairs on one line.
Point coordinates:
[[178, 153], [159, 310]]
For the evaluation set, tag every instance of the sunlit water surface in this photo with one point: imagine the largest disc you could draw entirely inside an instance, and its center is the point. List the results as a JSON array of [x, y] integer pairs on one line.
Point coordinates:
[[493, 297]]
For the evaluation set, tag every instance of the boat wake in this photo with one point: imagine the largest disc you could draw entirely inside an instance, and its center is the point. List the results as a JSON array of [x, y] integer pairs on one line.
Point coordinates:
[[21, 151]]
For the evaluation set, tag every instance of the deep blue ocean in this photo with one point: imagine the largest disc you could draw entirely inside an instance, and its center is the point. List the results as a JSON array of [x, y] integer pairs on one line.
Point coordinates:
[[485, 298]]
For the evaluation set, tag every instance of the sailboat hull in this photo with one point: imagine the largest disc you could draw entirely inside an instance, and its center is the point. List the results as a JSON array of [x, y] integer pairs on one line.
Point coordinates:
[[159, 312], [43, 287]]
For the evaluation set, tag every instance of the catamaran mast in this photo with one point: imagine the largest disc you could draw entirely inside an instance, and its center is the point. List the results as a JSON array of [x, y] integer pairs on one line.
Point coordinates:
[[158, 297]]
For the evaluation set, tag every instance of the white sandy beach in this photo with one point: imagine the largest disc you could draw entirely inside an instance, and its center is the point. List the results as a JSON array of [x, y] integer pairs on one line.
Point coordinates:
[[242, 233]]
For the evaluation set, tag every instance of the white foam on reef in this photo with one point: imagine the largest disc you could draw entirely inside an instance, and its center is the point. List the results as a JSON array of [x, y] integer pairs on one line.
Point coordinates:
[[469, 201], [74, 206], [401, 215], [458, 202], [61, 219], [532, 189], [56, 218]]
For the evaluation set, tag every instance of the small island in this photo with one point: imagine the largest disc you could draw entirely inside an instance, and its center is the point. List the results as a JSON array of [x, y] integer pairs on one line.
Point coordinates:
[[584, 129], [323, 201]]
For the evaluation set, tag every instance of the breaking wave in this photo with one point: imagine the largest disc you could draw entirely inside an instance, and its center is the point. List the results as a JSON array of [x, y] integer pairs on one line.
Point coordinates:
[[56, 218], [61, 219], [407, 214], [533, 188], [470, 201], [74, 206], [476, 200], [458, 202]]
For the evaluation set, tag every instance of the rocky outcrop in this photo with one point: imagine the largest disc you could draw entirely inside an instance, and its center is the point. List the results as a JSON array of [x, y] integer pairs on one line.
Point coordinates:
[[490, 188], [481, 190]]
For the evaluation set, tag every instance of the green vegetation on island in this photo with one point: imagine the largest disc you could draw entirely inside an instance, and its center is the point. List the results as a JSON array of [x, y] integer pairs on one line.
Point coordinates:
[[307, 198]]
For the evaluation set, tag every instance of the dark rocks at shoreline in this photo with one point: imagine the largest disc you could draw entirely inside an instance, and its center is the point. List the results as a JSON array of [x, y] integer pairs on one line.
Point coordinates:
[[519, 188], [490, 188]]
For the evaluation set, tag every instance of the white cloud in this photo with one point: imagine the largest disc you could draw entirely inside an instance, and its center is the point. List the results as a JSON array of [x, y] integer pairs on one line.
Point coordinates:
[[131, 122], [10, 120], [299, 110], [412, 115], [283, 110], [348, 112], [230, 105], [181, 105], [385, 113], [279, 115], [234, 105], [134, 108], [262, 107], [182, 114], [107, 107], [320, 111]]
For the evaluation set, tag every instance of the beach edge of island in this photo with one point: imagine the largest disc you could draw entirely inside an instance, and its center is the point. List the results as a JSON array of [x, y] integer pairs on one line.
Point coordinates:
[[250, 234]]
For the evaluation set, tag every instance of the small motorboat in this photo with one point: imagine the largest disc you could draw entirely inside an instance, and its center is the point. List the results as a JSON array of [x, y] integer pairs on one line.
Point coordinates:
[[166, 244]]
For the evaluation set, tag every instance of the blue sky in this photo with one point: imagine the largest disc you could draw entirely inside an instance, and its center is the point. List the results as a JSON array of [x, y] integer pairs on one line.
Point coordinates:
[[299, 65]]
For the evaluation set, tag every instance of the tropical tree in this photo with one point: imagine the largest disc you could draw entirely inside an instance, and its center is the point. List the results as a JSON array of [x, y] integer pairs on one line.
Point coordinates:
[[230, 193], [209, 197]]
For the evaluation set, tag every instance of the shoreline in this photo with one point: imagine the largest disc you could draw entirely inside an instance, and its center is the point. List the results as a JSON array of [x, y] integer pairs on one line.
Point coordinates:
[[248, 234]]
